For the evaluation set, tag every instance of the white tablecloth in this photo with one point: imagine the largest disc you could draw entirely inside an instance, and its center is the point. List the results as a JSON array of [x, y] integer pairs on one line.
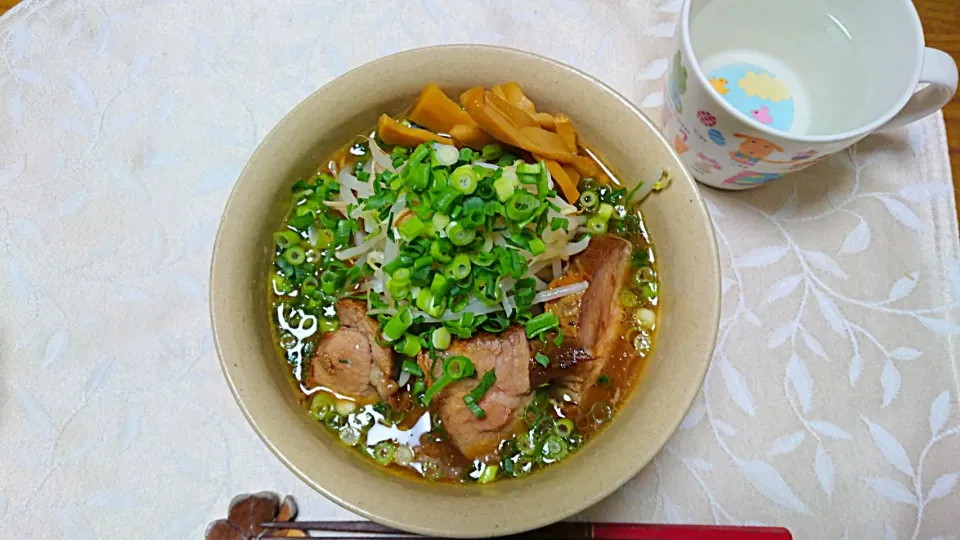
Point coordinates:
[[831, 405]]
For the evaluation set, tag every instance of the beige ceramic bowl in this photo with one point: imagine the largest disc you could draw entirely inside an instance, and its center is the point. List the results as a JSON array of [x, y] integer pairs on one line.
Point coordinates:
[[630, 144]]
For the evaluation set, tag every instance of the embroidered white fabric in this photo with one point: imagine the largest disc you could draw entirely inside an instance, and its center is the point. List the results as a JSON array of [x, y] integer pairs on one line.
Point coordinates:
[[830, 408]]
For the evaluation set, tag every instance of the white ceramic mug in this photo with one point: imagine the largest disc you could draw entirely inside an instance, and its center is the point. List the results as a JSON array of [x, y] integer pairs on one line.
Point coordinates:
[[760, 88]]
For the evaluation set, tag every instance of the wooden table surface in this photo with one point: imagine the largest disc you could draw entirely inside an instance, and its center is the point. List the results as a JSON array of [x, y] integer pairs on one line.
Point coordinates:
[[941, 25]]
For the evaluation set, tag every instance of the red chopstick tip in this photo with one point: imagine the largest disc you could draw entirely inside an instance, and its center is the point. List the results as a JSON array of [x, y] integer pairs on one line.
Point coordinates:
[[640, 531]]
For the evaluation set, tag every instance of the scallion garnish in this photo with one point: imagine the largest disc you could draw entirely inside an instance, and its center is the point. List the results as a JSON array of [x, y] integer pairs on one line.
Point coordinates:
[[476, 395], [541, 323], [397, 325], [411, 367], [454, 368]]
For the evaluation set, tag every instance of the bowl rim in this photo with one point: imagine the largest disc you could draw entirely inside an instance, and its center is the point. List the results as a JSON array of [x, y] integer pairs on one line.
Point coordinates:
[[712, 260]]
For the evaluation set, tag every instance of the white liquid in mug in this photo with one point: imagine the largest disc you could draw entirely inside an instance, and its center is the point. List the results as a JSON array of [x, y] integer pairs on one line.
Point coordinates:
[[788, 64]]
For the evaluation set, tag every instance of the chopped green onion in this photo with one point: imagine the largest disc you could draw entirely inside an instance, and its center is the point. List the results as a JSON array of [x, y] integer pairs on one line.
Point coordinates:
[[344, 232], [459, 268], [640, 258], [526, 444], [321, 406], [446, 155], [424, 299], [301, 223], [542, 359], [466, 154], [563, 427], [440, 285], [595, 225], [464, 179], [648, 290], [554, 449], [439, 250], [528, 168], [436, 307], [401, 276], [605, 211], [349, 435], [644, 274], [295, 255], [397, 263], [384, 452], [459, 235], [601, 412], [491, 151], [435, 388], [309, 285], [324, 237], [334, 421], [280, 284], [397, 325], [522, 205], [559, 223], [589, 199], [646, 318], [487, 381], [440, 338], [488, 475], [628, 299], [329, 281], [410, 228], [285, 239], [411, 367], [537, 246], [416, 175], [446, 199], [325, 325], [398, 291], [504, 188], [440, 221], [410, 346], [302, 194], [473, 407], [472, 402], [454, 369], [458, 367], [506, 159], [541, 323]]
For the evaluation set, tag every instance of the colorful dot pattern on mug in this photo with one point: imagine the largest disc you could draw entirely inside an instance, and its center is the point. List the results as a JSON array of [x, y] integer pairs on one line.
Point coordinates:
[[757, 93]]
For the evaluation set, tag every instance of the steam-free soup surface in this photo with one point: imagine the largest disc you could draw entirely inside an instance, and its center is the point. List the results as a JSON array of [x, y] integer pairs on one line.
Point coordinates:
[[465, 293]]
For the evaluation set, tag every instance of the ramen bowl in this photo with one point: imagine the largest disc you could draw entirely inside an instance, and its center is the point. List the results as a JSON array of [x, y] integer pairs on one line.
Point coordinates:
[[628, 142]]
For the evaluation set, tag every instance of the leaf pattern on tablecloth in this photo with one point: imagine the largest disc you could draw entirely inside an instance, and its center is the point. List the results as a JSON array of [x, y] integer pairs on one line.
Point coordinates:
[[126, 123]]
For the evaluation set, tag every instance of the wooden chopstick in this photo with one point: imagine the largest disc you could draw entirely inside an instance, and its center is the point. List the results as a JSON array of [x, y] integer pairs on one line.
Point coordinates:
[[564, 529], [369, 537], [367, 527]]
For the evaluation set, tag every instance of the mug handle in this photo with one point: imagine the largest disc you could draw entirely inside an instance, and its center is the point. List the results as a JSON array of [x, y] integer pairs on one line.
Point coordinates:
[[940, 72]]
